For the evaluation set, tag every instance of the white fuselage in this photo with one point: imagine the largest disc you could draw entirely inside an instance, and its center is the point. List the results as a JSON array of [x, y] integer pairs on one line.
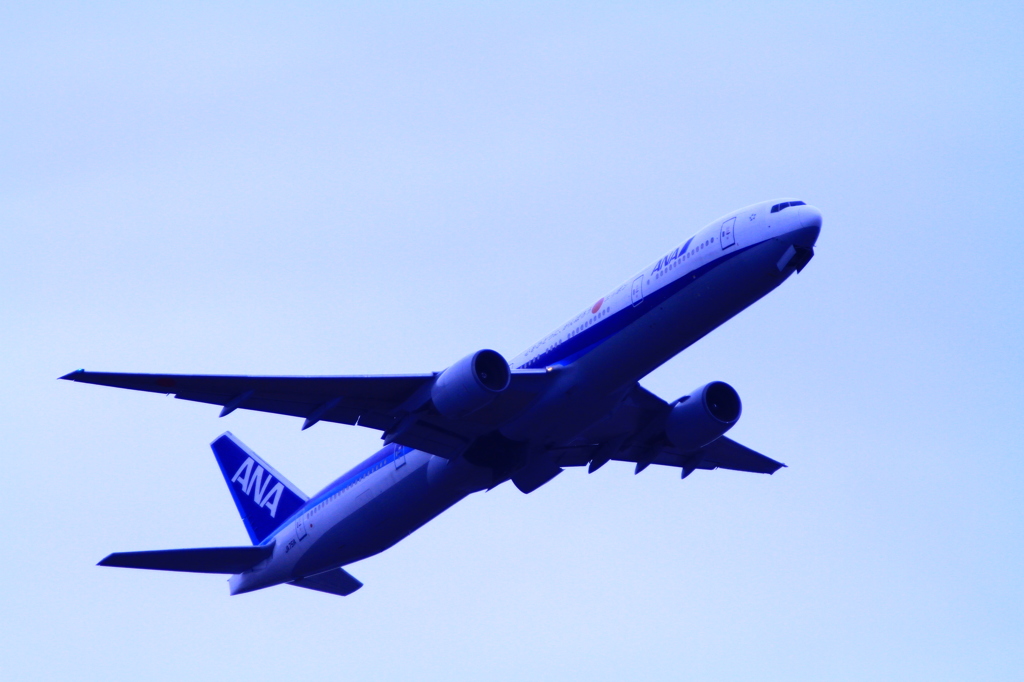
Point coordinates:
[[601, 353]]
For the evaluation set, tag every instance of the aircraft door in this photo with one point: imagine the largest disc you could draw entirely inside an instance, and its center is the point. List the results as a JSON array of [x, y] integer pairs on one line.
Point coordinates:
[[300, 529], [400, 451], [728, 235], [637, 294]]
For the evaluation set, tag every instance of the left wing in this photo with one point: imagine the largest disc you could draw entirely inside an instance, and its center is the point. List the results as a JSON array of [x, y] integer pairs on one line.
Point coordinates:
[[398, 405], [722, 453], [634, 432]]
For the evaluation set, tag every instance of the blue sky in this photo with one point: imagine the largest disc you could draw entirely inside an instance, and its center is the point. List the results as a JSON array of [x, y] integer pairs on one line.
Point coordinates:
[[331, 189]]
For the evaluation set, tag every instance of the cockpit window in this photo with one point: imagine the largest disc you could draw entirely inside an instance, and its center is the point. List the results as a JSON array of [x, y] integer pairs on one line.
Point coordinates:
[[786, 204]]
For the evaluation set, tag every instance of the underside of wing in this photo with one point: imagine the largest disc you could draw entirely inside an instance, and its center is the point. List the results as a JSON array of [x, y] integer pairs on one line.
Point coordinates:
[[372, 401]]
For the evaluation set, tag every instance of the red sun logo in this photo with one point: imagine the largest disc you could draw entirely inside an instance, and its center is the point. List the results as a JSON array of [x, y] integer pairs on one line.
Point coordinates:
[[597, 306]]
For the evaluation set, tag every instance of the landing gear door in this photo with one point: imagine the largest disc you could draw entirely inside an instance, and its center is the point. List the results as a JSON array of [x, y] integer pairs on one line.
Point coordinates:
[[728, 236]]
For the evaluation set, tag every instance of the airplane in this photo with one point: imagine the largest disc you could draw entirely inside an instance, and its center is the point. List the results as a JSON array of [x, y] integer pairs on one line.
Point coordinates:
[[570, 400]]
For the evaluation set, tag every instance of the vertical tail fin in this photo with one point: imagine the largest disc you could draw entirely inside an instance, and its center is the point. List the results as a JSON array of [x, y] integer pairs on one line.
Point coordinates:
[[264, 498]]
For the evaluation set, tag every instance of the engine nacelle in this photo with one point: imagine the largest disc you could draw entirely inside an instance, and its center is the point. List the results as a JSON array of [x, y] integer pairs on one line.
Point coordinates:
[[703, 416], [470, 384]]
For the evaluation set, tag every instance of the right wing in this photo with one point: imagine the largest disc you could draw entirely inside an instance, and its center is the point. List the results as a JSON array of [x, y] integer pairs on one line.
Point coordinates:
[[370, 400]]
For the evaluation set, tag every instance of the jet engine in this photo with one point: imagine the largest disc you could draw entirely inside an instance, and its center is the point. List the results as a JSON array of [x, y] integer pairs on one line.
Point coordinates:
[[470, 384], [704, 415]]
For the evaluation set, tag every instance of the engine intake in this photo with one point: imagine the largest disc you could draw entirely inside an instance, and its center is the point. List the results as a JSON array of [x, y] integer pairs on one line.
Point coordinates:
[[470, 384], [703, 416]]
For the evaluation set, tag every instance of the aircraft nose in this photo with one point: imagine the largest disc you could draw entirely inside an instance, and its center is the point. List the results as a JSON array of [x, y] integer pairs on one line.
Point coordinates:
[[810, 216], [808, 226]]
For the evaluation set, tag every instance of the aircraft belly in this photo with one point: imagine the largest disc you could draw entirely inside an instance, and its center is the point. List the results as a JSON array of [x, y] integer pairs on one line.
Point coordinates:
[[592, 385], [430, 487]]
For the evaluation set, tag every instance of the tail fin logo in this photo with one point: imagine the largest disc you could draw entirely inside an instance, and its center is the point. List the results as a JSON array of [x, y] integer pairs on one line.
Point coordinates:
[[255, 483]]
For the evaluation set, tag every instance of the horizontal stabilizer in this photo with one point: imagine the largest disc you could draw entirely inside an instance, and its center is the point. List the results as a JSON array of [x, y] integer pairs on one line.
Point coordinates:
[[229, 560], [336, 581]]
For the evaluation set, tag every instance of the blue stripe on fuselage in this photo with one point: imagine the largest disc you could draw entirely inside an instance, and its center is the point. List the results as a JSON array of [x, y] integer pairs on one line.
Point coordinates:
[[569, 350], [585, 341]]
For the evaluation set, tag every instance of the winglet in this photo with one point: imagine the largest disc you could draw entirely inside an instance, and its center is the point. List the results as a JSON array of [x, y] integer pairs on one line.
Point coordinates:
[[70, 376]]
